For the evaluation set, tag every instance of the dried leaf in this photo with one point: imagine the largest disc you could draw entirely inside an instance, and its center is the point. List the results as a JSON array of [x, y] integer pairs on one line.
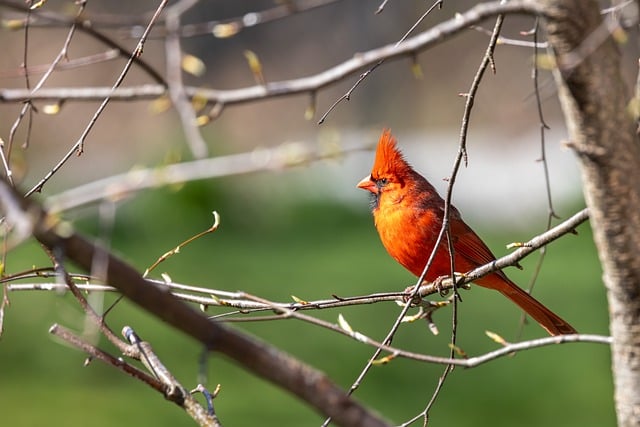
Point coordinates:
[[13, 24], [160, 105], [299, 300], [620, 35], [310, 111], [545, 62], [344, 325], [222, 31], [199, 101], [38, 4], [633, 108], [416, 70], [515, 245], [255, 66], [496, 338], [52, 109], [384, 360], [203, 120], [193, 65], [433, 328], [459, 351]]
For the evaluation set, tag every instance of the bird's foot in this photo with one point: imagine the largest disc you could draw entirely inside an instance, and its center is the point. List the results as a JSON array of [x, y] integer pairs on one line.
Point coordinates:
[[411, 294], [444, 283], [439, 286]]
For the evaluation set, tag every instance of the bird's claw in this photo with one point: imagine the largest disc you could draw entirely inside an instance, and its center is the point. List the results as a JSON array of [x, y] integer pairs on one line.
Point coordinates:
[[443, 288], [437, 284], [409, 294]]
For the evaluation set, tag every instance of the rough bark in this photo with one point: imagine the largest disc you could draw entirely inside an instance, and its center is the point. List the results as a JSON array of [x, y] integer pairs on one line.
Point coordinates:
[[603, 135]]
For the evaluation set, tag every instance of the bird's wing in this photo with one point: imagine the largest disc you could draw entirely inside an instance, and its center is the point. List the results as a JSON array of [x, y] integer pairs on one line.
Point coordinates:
[[468, 245]]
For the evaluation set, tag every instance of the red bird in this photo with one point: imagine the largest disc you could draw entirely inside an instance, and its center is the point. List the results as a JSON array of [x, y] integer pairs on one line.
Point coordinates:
[[408, 213]]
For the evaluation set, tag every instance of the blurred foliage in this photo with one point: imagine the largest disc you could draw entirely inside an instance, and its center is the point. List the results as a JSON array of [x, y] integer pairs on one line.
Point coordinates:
[[315, 250]]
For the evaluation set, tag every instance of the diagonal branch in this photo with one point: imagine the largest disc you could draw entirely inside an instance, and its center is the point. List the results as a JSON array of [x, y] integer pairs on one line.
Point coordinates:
[[260, 358]]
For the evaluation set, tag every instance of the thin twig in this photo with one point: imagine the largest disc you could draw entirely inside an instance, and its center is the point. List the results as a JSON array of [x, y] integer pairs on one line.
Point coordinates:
[[78, 147], [69, 64], [470, 362], [545, 167], [166, 255], [94, 317], [461, 156], [129, 25], [164, 383], [86, 26], [347, 95], [95, 353]]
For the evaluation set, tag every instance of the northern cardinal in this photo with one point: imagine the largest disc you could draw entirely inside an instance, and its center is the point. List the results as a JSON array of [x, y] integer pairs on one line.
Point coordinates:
[[408, 214]]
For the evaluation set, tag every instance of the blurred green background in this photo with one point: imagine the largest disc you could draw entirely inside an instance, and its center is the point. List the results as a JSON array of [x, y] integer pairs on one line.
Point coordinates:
[[318, 249], [307, 231]]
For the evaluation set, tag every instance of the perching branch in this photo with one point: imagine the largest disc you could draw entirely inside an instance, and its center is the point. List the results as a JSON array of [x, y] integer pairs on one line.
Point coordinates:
[[218, 298], [248, 303]]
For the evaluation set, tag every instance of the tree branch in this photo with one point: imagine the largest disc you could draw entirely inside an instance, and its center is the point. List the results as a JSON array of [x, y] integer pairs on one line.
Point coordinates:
[[218, 298], [116, 187], [260, 358], [162, 381], [307, 85]]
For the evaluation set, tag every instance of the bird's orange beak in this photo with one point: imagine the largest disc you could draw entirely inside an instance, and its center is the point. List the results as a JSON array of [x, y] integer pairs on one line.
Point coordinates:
[[368, 184]]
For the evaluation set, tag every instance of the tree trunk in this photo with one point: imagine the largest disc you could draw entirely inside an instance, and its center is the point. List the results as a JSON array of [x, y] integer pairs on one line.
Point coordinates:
[[603, 135]]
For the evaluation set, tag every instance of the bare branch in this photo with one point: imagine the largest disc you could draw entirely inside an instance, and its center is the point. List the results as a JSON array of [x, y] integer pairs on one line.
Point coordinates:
[[450, 361], [95, 353], [120, 186], [173, 53], [86, 27], [219, 298], [408, 48], [78, 147], [128, 25], [347, 96], [487, 60], [162, 381], [567, 226]]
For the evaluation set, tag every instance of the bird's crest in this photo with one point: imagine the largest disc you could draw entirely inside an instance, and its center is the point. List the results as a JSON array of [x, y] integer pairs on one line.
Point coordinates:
[[389, 159]]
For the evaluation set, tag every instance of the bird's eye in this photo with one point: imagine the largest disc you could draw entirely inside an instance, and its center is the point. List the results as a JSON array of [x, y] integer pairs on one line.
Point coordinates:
[[382, 181]]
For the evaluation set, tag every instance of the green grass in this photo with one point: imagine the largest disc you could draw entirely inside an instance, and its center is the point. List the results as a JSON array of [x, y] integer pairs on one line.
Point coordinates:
[[311, 251]]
